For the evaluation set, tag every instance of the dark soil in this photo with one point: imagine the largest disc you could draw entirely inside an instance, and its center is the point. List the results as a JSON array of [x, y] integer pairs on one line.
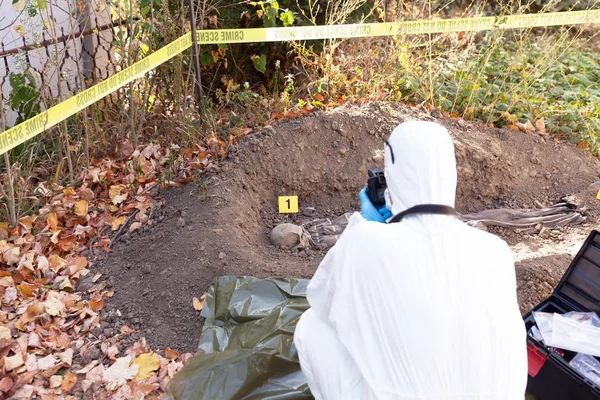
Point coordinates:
[[219, 226]]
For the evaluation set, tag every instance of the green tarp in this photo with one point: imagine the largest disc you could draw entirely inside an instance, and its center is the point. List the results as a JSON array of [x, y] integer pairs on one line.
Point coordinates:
[[246, 348]]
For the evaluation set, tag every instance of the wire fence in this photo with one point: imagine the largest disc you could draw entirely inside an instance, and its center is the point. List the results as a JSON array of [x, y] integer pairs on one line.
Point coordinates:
[[74, 60]]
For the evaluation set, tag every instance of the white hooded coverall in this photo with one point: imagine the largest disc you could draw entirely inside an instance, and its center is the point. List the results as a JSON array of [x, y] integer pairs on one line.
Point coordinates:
[[421, 309]]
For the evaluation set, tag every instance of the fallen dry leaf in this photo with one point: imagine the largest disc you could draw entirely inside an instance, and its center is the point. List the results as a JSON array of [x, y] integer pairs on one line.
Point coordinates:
[[33, 340], [26, 289], [146, 388], [87, 368], [540, 125], [55, 263], [32, 312], [54, 306], [96, 305], [66, 357], [6, 384], [199, 304], [172, 354], [135, 226], [55, 381], [147, 363], [31, 363], [11, 256], [86, 193], [68, 382], [81, 208], [52, 221], [119, 373], [13, 362], [47, 362], [117, 222], [4, 333]]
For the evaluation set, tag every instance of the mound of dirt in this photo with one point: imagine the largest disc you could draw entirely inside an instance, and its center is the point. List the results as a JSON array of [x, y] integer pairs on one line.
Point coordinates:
[[220, 226], [537, 278]]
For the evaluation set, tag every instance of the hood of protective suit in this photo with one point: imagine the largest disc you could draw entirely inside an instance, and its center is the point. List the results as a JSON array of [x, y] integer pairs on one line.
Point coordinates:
[[420, 167]]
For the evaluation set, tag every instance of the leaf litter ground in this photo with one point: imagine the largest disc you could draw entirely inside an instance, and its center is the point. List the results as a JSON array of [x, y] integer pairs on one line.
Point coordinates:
[[76, 319]]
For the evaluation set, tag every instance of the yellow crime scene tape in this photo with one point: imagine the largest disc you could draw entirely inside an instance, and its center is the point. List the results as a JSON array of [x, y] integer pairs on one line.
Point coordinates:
[[26, 130]]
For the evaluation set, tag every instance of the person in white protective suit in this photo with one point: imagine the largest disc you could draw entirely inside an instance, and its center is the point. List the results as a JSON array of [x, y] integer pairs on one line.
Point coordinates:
[[422, 308]]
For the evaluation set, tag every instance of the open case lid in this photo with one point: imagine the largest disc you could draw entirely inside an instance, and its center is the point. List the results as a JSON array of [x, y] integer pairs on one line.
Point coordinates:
[[580, 285]]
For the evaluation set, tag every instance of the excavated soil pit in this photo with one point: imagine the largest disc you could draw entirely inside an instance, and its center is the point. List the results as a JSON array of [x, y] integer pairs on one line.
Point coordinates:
[[220, 227]]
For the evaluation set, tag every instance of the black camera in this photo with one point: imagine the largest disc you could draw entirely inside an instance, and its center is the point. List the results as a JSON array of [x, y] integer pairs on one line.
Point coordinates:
[[376, 186]]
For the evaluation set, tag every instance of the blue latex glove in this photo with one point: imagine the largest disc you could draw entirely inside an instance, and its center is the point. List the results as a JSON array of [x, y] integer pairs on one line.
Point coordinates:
[[369, 211]]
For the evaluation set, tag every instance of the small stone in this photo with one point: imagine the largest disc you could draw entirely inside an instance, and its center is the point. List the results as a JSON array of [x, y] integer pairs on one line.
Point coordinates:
[[343, 151], [146, 269], [532, 173], [110, 282], [50, 274], [94, 353], [109, 332], [135, 320], [308, 211], [109, 317], [222, 255], [130, 316], [190, 228], [462, 123], [548, 175], [436, 114], [145, 292], [183, 213], [85, 285], [96, 331], [180, 222], [104, 325], [157, 323]]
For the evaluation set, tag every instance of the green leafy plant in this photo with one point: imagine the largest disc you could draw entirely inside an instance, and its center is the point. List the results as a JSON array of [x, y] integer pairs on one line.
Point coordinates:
[[24, 96]]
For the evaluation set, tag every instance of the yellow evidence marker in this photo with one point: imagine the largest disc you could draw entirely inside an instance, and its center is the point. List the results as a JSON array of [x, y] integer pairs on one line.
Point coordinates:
[[288, 204], [598, 195]]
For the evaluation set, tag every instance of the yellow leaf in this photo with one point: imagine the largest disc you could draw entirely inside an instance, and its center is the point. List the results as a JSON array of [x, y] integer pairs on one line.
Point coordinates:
[[115, 190], [81, 208], [68, 382], [26, 289], [113, 208], [52, 221], [20, 30], [147, 363], [199, 304], [117, 222], [69, 191]]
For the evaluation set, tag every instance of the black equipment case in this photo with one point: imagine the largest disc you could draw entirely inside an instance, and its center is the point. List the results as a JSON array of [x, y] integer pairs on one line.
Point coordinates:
[[550, 375]]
